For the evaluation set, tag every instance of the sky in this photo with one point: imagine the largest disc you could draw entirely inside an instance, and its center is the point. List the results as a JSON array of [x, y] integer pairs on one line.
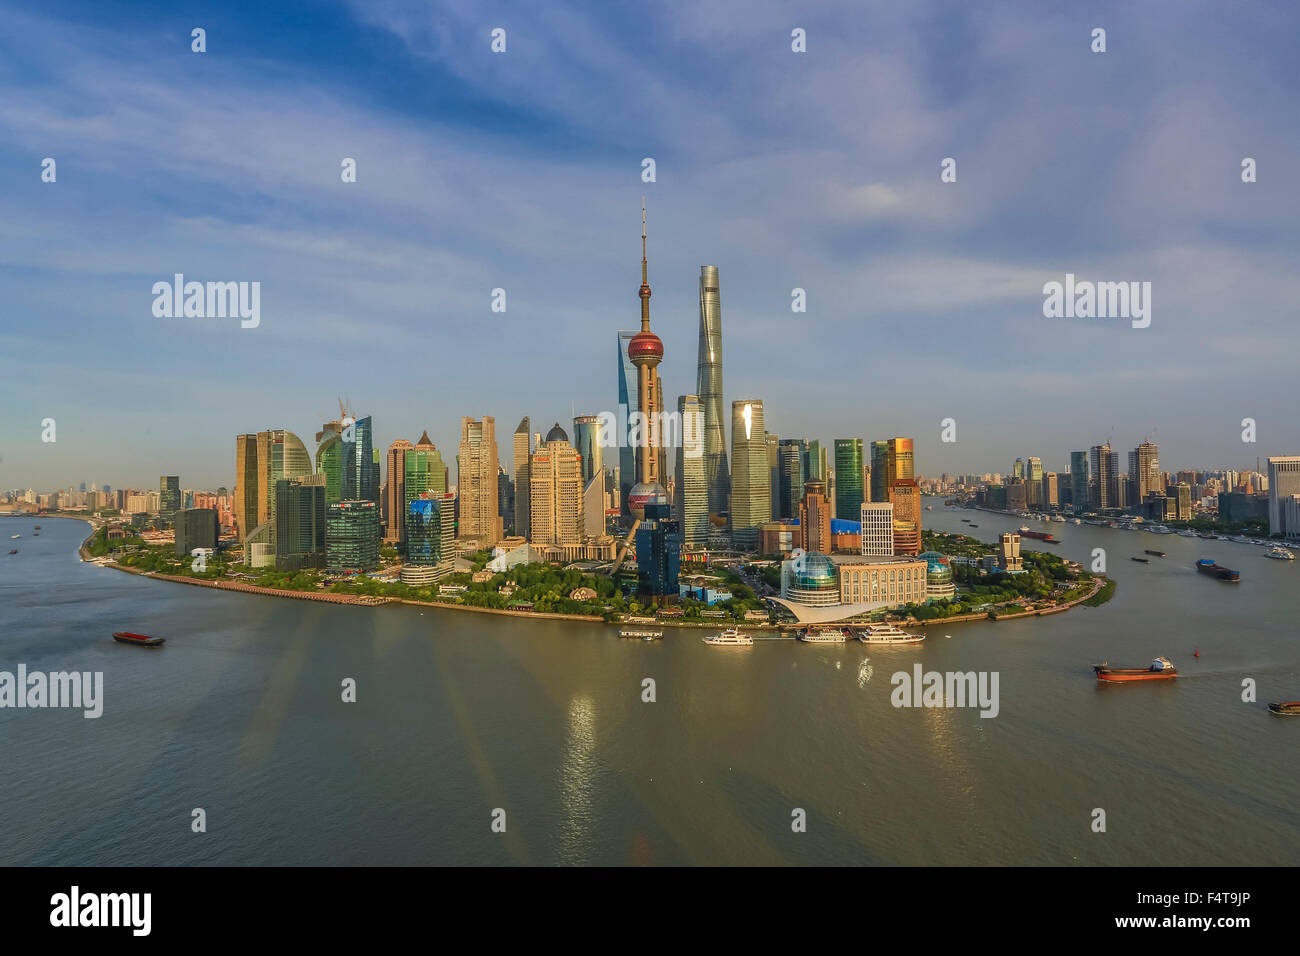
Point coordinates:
[[522, 170]]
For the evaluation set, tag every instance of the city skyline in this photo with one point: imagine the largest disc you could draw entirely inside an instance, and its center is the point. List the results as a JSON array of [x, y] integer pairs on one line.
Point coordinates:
[[465, 192]]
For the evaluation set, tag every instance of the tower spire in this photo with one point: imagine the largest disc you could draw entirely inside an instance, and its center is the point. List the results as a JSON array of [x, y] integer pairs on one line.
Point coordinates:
[[645, 279]]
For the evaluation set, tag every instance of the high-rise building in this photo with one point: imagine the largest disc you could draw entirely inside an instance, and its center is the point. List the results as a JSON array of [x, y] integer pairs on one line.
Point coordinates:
[[1184, 493], [1051, 490], [1034, 479], [428, 543], [751, 489], [905, 496], [1103, 488], [329, 459], [1283, 486], [247, 488], [476, 480], [774, 473], [1009, 552], [628, 402], [646, 350], [879, 490], [658, 551], [424, 471], [395, 491], [556, 488], [195, 528], [300, 523], [815, 518], [691, 495], [169, 497], [708, 386], [1079, 480], [849, 493], [792, 453], [586, 440], [523, 450], [877, 528], [1144, 470], [359, 478], [815, 463], [352, 531]]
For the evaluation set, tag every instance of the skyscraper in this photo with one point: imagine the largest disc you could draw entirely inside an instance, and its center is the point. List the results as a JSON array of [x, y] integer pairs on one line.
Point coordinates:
[[1079, 480], [628, 402], [395, 491], [247, 488], [848, 478], [195, 528], [360, 472], [1034, 480], [877, 528], [774, 473], [300, 523], [645, 350], [586, 440], [556, 489], [1283, 486], [523, 450], [169, 496], [1103, 489], [792, 453], [905, 496], [815, 518], [691, 502], [879, 471], [329, 459], [476, 480], [708, 386], [352, 536], [1144, 470], [815, 463], [751, 490]]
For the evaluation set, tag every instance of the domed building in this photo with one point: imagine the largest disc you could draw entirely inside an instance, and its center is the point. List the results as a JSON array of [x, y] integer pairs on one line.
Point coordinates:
[[557, 434], [814, 581], [938, 576]]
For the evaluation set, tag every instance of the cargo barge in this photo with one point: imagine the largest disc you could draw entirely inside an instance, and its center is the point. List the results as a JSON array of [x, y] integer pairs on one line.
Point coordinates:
[[1206, 566]]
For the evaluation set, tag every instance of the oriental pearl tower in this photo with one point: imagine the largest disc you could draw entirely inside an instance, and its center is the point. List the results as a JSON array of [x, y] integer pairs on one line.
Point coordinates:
[[646, 351]]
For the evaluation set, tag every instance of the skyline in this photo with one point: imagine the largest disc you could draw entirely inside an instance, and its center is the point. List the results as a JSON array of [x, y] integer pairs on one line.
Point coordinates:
[[522, 171]]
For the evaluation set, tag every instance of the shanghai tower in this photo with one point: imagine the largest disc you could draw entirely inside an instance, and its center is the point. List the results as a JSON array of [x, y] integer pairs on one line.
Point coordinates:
[[708, 386]]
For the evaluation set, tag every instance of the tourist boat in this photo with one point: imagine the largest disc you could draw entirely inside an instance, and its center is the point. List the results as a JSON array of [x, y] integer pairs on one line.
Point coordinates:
[[1280, 553], [823, 635], [887, 634], [12, 536], [642, 635], [1158, 554], [126, 637], [1024, 529], [1290, 708], [1160, 669], [1143, 560], [1206, 566], [731, 637]]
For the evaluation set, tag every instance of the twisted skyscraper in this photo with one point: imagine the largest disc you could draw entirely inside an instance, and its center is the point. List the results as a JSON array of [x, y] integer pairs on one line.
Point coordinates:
[[708, 386]]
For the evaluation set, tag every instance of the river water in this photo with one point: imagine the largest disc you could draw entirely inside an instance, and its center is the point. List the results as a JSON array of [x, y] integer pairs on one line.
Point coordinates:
[[459, 715]]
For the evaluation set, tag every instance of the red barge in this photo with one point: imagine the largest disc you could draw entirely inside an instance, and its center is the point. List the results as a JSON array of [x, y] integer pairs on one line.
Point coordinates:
[[1160, 669], [143, 640]]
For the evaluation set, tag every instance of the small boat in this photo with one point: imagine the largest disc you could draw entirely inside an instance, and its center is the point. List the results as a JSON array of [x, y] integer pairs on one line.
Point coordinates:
[[731, 637], [974, 526], [13, 550], [12, 536], [126, 637], [1160, 669], [1280, 553], [888, 634], [1143, 560], [642, 635], [1158, 554], [823, 635], [38, 527], [1206, 566], [1290, 708]]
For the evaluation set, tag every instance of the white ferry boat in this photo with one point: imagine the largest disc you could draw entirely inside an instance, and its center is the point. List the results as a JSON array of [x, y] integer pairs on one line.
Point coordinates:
[[888, 634], [15, 536], [1279, 552], [731, 637], [823, 635]]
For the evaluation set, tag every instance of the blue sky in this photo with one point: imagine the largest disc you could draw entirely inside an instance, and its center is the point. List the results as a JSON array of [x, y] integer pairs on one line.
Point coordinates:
[[522, 171]]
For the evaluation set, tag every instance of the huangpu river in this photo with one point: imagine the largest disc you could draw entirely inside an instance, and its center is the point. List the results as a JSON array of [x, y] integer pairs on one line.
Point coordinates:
[[464, 718]]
